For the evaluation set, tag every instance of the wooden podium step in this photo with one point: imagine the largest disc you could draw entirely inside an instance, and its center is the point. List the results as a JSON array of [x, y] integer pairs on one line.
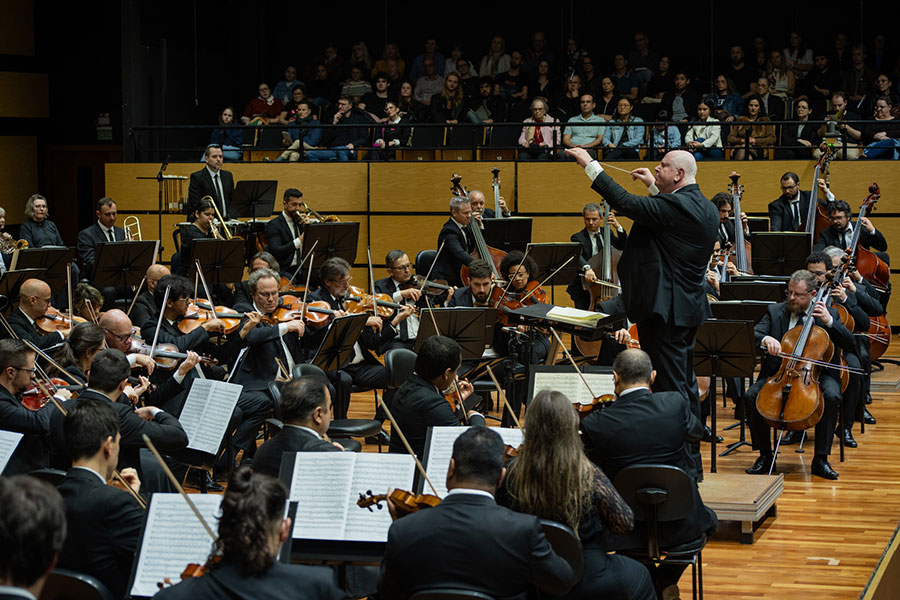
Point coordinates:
[[740, 497]]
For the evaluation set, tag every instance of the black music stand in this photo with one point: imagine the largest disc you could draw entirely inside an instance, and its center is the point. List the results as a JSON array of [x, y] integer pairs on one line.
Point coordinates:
[[123, 264], [337, 347], [759, 291], [740, 310], [758, 224], [472, 328], [334, 239], [511, 233], [13, 280], [723, 349], [253, 199], [780, 253], [549, 256], [222, 260], [53, 259]]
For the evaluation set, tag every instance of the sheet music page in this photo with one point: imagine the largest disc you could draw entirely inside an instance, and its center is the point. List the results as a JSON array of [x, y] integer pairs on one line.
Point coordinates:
[[9, 440], [321, 487], [173, 538], [378, 473], [570, 384], [441, 449], [207, 411]]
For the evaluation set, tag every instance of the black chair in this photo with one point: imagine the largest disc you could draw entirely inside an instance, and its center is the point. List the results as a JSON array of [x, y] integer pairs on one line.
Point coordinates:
[[52, 476], [503, 144], [276, 423], [400, 364], [566, 544], [659, 494], [424, 260], [450, 594], [69, 585], [423, 144]]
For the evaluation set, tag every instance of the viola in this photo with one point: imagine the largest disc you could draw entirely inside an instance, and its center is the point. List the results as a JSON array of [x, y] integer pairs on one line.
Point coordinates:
[[35, 397], [405, 502], [53, 320], [291, 288]]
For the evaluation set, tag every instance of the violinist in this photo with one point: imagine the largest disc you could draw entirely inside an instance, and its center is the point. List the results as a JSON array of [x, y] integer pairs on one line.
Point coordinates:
[[244, 563], [202, 219], [87, 302], [32, 532], [77, 352], [470, 541], [396, 285], [723, 202], [284, 233], [34, 300], [521, 275], [644, 427], [458, 240], [145, 306], [420, 402], [16, 375], [552, 478], [260, 260], [840, 233], [591, 240], [479, 211], [103, 522], [780, 318]]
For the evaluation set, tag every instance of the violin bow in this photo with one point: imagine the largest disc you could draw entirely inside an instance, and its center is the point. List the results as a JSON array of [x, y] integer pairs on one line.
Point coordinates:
[[12, 332], [209, 297], [437, 331], [69, 291], [572, 360], [283, 370], [550, 276], [509, 283], [372, 281], [136, 294], [395, 428], [52, 363], [300, 266], [162, 312], [178, 487], [431, 268], [308, 275], [503, 397]]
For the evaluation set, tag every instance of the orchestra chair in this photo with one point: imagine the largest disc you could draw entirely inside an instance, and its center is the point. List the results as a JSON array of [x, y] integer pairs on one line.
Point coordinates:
[[52, 476], [423, 144], [566, 544], [450, 594], [277, 424], [424, 260], [502, 145], [659, 494], [69, 585]]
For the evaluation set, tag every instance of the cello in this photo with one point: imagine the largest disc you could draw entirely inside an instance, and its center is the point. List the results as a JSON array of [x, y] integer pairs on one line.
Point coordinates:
[[490, 255]]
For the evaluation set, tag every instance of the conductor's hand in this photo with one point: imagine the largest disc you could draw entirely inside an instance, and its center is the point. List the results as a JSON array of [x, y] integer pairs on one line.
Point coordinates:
[[821, 311], [214, 325], [771, 345], [581, 156], [645, 175]]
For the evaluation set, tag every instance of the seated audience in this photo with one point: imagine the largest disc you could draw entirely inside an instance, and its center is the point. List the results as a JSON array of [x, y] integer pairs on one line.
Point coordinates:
[[262, 109], [704, 141], [751, 132]]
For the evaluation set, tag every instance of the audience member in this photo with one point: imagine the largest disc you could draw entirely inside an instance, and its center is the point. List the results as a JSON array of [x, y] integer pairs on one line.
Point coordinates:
[[456, 55], [798, 139], [468, 78], [359, 57], [540, 82], [408, 104], [538, 140], [322, 89], [662, 80], [391, 52], [663, 137], [512, 85], [798, 58], [642, 59], [486, 107], [590, 78], [305, 133], [681, 103], [607, 100], [356, 87], [393, 134], [568, 104], [375, 101], [773, 107], [844, 144], [754, 137], [840, 54], [284, 87], [228, 135], [724, 100], [418, 68], [743, 75], [622, 76], [881, 137], [704, 141], [858, 77], [447, 106], [289, 112], [781, 79], [622, 138], [883, 89], [574, 54], [343, 141], [263, 108], [429, 84], [579, 134], [822, 81], [537, 52]]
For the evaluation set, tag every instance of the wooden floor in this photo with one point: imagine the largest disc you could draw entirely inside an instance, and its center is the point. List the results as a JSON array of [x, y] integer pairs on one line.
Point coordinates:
[[827, 537]]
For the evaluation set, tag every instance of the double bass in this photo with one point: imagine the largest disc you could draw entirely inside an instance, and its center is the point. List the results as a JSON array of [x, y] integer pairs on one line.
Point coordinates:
[[742, 251], [490, 255], [816, 220], [867, 262], [605, 264]]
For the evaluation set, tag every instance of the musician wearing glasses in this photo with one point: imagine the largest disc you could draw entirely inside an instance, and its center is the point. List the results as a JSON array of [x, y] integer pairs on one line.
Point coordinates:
[[397, 286], [479, 211], [16, 374], [840, 233], [34, 300]]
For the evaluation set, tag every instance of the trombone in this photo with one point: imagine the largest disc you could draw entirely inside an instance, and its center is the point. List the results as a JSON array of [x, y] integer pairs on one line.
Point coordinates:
[[215, 231], [132, 226]]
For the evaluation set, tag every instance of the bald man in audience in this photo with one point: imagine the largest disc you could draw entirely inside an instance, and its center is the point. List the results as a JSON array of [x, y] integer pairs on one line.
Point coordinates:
[[34, 299], [145, 306]]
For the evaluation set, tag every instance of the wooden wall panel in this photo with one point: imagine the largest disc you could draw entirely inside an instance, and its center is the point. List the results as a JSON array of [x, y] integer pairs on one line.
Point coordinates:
[[426, 186], [18, 174], [14, 87], [17, 29]]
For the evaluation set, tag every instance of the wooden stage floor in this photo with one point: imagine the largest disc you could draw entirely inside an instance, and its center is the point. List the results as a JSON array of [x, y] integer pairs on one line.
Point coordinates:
[[828, 535]]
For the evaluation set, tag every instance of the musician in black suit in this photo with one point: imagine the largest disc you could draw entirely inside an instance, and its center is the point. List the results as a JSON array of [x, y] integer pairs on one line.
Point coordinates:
[[479, 211], [260, 260], [104, 230], [213, 181], [669, 245], [641, 427], [477, 295], [16, 373], [104, 522], [32, 532], [245, 567], [145, 308], [840, 233], [458, 241], [780, 318], [284, 234], [504, 552], [306, 414], [725, 204], [399, 269], [788, 211], [34, 299], [591, 240]]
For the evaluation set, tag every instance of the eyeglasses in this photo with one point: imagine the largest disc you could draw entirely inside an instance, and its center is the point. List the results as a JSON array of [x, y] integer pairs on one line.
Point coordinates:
[[834, 218], [791, 294], [23, 369], [406, 267], [122, 338]]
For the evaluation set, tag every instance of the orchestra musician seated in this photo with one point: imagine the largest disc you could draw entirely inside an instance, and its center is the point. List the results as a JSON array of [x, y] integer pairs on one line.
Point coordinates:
[[397, 286], [467, 540], [202, 217], [34, 300], [87, 302], [521, 272], [724, 202], [478, 292], [32, 533], [641, 427], [104, 230], [591, 240], [458, 241], [306, 415], [244, 562], [104, 522], [284, 235], [422, 401], [840, 233], [260, 260], [777, 321], [479, 211], [145, 307], [552, 478]]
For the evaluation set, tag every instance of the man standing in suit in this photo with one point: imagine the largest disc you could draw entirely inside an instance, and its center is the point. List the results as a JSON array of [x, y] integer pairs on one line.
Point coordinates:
[[32, 532], [641, 427], [399, 267], [780, 318], [104, 522], [458, 241], [505, 552], [840, 233], [212, 181], [104, 230], [34, 299], [284, 234], [591, 240], [788, 211], [306, 414], [664, 264]]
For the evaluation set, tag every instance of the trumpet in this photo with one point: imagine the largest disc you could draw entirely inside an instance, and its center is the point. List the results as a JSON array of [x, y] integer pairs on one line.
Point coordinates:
[[132, 226], [8, 245]]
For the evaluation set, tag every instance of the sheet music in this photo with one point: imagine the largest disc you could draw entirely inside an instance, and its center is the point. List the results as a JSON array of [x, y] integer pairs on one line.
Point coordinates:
[[9, 440], [207, 411], [570, 384], [173, 538], [441, 449], [326, 486]]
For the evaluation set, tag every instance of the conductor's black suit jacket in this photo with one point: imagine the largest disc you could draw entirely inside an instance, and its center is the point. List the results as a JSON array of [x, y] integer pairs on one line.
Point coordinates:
[[456, 253], [290, 439], [663, 267], [469, 542], [87, 244], [201, 184]]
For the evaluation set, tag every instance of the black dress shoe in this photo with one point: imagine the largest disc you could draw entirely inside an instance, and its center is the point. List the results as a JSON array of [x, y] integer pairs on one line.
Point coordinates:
[[848, 439], [868, 398], [708, 436], [761, 466], [867, 417], [198, 475], [821, 468], [791, 437], [379, 438]]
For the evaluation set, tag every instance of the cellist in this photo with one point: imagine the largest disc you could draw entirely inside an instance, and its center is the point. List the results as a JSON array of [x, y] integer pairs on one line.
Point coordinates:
[[777, 321]]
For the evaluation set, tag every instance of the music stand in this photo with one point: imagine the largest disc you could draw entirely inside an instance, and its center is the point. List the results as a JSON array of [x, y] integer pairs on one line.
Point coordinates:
[[334, 239], [723, 349], [12, 281], [253, 199], [511, 233], [472, 328], [337, 347], [758, 224], [549, 256], [759, 291], [123, 264], [51, 258], [740, 310], [780, 253], [222, 260]]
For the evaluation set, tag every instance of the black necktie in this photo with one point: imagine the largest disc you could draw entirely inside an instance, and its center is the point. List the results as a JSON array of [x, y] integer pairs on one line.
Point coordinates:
[[109, 234], [294, 226], [599, 239], [795, 211], [843, 245]]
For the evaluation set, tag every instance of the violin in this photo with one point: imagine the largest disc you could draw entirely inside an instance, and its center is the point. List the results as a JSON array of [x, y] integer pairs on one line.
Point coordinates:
[[290, 288], [598, 403], [405, 502], [436, 289], [166, 356], [35, 397], [509, 300], [316, 313], [360, 302], [509, 453], [53, 320], [199, 313]]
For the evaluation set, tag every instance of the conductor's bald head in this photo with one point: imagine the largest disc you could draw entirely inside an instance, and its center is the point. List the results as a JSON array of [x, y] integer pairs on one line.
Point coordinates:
[[676, 170]]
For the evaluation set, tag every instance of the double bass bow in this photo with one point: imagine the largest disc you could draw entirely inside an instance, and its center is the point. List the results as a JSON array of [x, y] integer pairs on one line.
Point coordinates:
[[491, 255]]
